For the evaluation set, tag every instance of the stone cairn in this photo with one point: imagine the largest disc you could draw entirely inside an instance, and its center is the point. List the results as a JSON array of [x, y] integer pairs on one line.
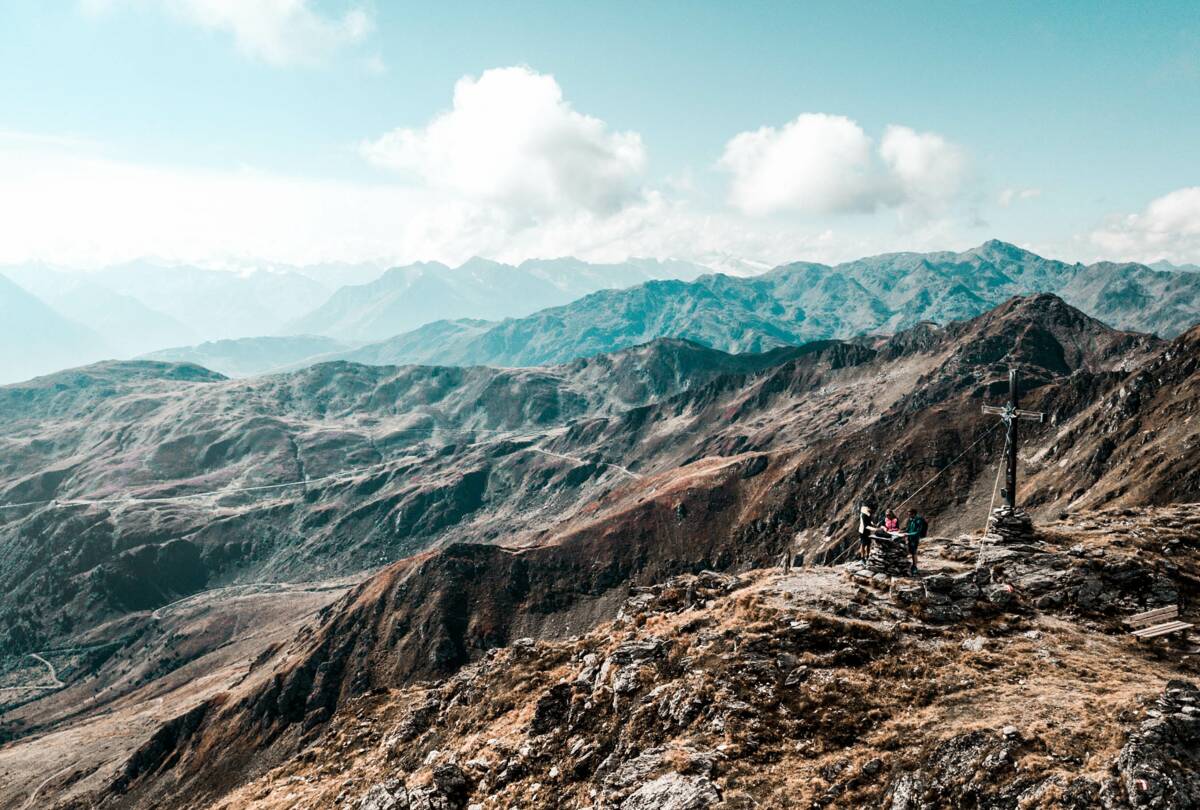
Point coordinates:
[[889, 555], [1008, 525]]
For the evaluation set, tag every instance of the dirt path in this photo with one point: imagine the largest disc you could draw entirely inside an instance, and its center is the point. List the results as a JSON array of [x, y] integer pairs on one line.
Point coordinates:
[[53, 672], [57, 684]]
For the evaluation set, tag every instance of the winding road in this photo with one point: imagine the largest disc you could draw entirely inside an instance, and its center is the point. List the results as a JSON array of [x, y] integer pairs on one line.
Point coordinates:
[[53, 672], [57, 684]]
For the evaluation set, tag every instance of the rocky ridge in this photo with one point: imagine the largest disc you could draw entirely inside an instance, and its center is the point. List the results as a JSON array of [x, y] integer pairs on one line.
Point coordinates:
[[801, 689]]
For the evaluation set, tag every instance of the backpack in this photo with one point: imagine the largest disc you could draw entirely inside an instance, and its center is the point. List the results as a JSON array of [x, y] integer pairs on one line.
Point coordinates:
[[922, 527]]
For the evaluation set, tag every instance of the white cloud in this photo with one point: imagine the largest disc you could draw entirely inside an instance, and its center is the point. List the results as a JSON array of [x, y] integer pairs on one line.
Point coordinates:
[[278, 32], [1168, 229], [1009, 196], [817, 163], [511, 139], [66, 204], [927, 167], [826, 164]]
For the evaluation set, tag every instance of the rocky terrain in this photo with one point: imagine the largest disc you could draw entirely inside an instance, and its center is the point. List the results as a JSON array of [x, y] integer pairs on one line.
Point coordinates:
[[806, 688], [512, 504], [401, 459]]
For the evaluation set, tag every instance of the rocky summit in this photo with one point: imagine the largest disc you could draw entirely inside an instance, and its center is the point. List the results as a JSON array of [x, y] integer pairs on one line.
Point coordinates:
[[1008, 684], [411, 586]]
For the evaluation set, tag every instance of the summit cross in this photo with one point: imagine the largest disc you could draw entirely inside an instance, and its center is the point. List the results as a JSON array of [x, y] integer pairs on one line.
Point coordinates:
[[1011, 414]]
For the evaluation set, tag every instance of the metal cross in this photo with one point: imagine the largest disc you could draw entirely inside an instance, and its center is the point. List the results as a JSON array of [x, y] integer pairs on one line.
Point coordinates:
[[1011, 414]]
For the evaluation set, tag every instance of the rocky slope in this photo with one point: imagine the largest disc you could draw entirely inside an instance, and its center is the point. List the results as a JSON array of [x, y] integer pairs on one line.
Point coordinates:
[[640, 444], [630, 468], [398, 458], [761, 689], [801, 302]]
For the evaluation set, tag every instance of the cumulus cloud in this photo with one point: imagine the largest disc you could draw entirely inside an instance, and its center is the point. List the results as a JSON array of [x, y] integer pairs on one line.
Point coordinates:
[[827, 164], [511, 139], [1168, 229], [924, 165], [278, 32]]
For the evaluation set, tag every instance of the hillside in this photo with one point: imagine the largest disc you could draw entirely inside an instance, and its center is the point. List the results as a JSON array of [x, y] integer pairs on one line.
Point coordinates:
[[493, 505], [401, 459], [808, 688], [801, 302]]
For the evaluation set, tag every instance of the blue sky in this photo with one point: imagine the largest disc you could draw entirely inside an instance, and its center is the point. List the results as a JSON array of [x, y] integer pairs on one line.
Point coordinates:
[[301, 131]]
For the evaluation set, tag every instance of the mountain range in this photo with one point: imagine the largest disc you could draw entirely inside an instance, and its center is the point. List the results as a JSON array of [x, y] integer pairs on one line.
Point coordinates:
[[801, 302], [405, 298], [552, 311], [147, 307], [38, 339]]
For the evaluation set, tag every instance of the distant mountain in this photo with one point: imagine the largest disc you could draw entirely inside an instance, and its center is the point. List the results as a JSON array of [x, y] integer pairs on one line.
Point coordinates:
[[216, 304], [427, 341], [126, 325], [804, 301], [243, 357], [337, 274], [406, 298], [37, 339], [1165, 265]]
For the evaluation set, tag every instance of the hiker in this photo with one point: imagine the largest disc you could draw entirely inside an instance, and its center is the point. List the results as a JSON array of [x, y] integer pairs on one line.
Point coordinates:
[[915, 529], [864, 532], [891, 522]]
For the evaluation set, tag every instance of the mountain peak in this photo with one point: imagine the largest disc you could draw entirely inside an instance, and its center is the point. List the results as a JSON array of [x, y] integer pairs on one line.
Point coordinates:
[[480, 263], [1042, 309], [998, 249]]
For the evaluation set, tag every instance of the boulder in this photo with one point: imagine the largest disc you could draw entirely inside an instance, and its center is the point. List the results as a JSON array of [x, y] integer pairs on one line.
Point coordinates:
[[674, 792], [389, 795], [637, 650]]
